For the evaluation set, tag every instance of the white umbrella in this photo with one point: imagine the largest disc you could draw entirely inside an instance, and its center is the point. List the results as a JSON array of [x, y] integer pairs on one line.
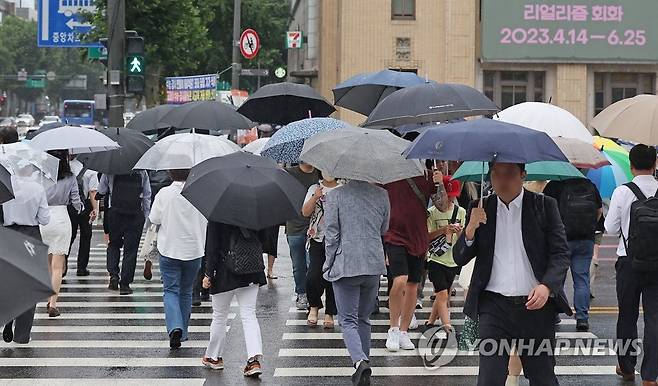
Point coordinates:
[[76, 139], [552, 120], [255, 147], [581, 154], [633, 119], [24, 161], [183, 151]]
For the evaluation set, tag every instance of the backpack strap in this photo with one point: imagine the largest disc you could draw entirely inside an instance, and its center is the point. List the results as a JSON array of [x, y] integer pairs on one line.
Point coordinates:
[[636, 191], [455, 211], [421, 197]]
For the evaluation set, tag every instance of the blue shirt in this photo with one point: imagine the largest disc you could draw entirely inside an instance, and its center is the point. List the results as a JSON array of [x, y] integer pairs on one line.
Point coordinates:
[[106, 185]]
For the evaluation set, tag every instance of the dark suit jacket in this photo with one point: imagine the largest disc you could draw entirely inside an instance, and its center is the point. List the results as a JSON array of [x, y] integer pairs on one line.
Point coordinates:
[[544, 240]]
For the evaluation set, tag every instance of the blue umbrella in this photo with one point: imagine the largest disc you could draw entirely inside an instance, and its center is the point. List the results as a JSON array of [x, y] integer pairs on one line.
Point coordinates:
[[485, 140], [361, 93], [287, 143]]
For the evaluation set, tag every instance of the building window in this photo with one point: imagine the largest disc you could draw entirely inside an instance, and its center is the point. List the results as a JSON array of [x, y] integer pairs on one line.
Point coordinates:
[[403, 9], [612, 87], [508, 88], [403, 49]]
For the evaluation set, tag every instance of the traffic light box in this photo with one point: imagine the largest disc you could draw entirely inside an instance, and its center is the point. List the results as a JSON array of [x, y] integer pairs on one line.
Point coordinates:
[[135, 65]]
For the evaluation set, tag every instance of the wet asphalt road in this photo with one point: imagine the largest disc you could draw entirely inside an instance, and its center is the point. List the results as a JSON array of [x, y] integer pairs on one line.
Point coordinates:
[[103, 337]]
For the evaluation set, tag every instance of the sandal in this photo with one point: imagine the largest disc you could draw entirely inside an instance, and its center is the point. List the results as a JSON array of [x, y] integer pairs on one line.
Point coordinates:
[[329, 323], [272, 276], [312, 320]]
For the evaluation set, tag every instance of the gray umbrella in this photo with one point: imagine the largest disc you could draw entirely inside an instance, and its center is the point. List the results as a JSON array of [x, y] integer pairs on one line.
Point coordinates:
[[24, 277], [429, 102], [208, 115], [147, 121], [361, 154]]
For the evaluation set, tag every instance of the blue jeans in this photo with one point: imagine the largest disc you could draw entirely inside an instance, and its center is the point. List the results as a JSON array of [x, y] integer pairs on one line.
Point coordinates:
[[581, 258], [177, 280], [300, 261]]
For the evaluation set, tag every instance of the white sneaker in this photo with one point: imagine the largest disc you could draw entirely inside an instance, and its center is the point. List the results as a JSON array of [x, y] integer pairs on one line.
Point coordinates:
[[414, 322], [393, 341], [405, 342]]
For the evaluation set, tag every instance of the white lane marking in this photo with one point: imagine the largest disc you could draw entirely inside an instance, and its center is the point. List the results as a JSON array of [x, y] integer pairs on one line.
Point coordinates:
[[101, 382], [385, 322], [110, 329], [412, 335], [120, 316], [107, 344], [382, 352]]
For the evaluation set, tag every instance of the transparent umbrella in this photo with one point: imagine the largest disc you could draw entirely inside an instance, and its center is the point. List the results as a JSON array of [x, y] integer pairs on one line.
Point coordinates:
[[184, 151], [22, 160]]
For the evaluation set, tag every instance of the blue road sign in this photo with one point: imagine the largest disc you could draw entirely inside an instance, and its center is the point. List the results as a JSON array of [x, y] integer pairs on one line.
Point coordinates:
[[61, 23]]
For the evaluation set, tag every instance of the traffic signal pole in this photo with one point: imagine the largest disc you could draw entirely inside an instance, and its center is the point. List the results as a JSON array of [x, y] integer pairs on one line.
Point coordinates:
[[116, 27], [235, 60]]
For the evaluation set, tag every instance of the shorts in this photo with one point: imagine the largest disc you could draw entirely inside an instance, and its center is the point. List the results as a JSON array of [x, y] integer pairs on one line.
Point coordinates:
[[401, 263], [441, 276]]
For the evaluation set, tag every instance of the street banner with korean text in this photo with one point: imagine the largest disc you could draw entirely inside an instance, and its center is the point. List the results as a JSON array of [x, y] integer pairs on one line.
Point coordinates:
[[183, 89]]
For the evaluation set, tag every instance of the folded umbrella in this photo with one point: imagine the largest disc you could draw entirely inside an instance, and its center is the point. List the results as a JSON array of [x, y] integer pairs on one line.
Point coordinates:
[[76, 139], [244, 190], [285, 102], [361, 154], [22, 160], [429, 102], [552, 120], [6, 190], [471, 171], [183, 151], [122, 160], [206, 115], [255, 147], [46, 127], [286, 144], [362, 92], [147, 120], [24, 277], [634, 119], [581, 154]]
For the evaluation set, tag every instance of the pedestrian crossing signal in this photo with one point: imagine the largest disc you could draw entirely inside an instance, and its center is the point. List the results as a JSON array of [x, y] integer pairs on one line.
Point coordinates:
[[135, 65]]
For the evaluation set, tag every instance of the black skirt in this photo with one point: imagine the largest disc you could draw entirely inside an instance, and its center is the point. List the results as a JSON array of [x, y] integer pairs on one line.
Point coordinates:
[[271, 240]]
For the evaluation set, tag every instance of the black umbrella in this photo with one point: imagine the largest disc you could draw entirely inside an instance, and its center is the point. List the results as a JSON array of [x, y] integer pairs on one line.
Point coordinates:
[[6, 191], [24, 277], [282, 103], [147, 121], [46, 127], [209, 115], [429, 102], [244, 190], [122, 160]]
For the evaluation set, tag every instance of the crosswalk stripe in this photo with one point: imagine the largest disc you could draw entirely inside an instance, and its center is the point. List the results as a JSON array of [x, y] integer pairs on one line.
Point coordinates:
[[111, 304], [385, 322], [121, 316], [101, 382], [192, 343], [412, 335], [110, 329], [382, 352], [102, 362], [384, 310], [157, 284]]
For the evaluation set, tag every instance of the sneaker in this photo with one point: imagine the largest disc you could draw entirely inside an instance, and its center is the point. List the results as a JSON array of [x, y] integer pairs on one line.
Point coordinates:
[[82, 272], [214, 364], [302, 302], [414, 322], [174, 338], [253, 369], [114, 285], [419, 304], [361, 376], [125, 290], [8, 332], [147, 270], [405, 342], [393, 341], [582, 325]]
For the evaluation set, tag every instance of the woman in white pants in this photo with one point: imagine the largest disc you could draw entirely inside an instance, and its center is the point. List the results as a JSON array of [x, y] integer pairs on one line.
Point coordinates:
[[224, 285]]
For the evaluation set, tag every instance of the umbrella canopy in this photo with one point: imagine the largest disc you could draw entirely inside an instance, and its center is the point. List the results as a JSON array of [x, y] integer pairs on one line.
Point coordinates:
[[361, 93], [361, 154], [552, 120], [285, 102], [6, 191], [536, 171], [419, 128], [244, 190], [183, 151], [24, 277], [147, 121], [46, 127], [256, 147], [634, 119], [22, 160], [609, 177], [581, 154], [429, 102], [286, 144], [120, 161], [207, 115], [76, 139], [485, 140]]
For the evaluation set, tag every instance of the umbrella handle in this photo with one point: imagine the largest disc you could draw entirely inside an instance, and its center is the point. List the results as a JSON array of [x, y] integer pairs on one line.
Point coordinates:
[[481, 186]]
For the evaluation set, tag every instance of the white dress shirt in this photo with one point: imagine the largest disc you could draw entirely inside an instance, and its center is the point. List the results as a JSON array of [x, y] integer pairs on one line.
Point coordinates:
[[619, 213], [89, 179], [182, 233], [30, 207], [511, 273]]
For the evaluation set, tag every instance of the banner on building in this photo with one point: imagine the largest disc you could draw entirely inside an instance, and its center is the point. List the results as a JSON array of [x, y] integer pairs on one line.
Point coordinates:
[[570, 30], [183, 89]]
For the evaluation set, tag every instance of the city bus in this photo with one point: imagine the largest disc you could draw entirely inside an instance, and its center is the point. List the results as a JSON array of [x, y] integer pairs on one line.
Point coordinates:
[[78, 112]]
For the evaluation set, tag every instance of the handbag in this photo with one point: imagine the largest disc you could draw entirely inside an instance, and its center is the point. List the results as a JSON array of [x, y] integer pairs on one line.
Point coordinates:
[[440, 245], [150, 248]]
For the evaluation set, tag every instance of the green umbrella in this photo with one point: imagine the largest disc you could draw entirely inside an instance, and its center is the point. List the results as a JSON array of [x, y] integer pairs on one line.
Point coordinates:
[[537, 171]]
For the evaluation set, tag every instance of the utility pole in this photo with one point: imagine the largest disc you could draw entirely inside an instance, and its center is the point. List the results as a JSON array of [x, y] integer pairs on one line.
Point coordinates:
[[235, 78], [116, 27]]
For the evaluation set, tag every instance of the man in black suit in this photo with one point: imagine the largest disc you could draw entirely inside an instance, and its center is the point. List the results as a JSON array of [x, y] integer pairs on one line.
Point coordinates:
[[518, 279]]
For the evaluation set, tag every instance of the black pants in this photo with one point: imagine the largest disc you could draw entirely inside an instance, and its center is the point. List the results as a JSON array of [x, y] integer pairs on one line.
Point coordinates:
[[198, 291], [125, 231], [630, 286], [81, 220], [502, 321], [315, 283]]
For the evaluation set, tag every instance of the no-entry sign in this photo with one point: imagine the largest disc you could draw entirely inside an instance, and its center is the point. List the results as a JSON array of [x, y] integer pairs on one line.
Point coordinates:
[[249, 43]]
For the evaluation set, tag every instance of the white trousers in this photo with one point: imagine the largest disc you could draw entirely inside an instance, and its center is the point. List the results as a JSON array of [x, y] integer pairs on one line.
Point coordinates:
[[221, 305]]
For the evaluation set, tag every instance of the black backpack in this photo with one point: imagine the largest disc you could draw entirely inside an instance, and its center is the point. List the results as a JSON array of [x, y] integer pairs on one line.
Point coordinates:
[[127, 193], [641, 242], [579, 209], [245, 253], [81, 186]]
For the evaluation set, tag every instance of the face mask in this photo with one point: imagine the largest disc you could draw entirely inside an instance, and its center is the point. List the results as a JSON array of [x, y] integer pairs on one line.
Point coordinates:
[[327, 177]]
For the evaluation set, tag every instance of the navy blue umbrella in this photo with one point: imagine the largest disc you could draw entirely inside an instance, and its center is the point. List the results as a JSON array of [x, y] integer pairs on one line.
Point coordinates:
[[361, 93], [485, 140]]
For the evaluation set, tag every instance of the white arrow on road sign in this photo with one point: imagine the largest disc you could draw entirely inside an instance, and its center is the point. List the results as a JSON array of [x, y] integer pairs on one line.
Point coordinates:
[[135, 66], [74, 23]]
